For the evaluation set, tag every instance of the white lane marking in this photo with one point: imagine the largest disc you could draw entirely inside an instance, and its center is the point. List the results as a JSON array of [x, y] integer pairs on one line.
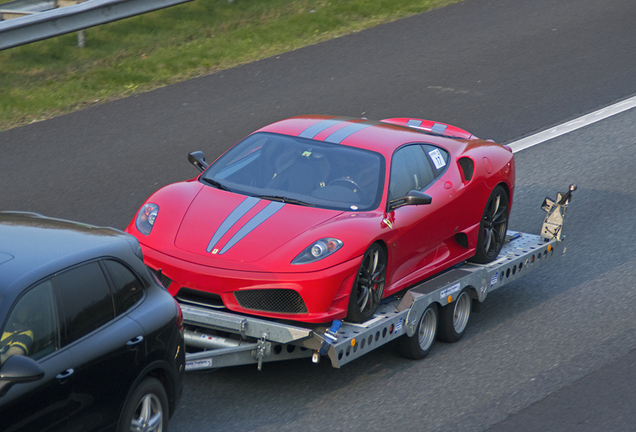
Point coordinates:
[[572, 125]]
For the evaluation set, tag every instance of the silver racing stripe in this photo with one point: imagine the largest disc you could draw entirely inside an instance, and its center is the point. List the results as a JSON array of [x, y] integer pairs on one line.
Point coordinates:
[[439, 128], [260, 217], [233, 218], [339, 135], [315, 129]]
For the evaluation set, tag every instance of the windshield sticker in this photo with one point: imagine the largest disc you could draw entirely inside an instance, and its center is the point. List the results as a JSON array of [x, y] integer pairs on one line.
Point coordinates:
[[307, 153], [438, 160], [354, 207]]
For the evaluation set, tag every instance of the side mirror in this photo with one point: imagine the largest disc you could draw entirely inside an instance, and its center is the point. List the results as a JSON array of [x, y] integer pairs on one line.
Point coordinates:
[[18, 369], [197, 158], [412, 198]]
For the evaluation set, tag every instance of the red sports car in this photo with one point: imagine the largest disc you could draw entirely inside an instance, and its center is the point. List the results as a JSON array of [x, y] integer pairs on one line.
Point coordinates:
[[316, 218]]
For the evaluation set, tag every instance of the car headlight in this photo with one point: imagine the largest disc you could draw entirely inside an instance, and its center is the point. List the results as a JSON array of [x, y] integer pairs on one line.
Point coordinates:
[[146, 218], [318, 250]]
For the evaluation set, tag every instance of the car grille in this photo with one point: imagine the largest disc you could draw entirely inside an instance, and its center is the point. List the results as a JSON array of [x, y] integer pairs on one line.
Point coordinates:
[[165, 280], [272, 300]]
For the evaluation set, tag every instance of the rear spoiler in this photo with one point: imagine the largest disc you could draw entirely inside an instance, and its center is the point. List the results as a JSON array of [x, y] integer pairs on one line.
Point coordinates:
[[428, 126]]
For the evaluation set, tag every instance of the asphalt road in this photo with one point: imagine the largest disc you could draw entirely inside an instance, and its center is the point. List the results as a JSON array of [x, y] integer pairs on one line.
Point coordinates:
[[553, 351]]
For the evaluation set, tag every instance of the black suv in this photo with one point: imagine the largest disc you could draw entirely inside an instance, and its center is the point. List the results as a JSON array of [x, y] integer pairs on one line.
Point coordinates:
[[90, 338]]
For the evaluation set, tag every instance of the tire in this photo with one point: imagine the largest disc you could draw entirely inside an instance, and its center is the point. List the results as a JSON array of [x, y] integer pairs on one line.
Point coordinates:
[[146, 409], [419, 345], [368, 287], [453, 318], [493, 226]]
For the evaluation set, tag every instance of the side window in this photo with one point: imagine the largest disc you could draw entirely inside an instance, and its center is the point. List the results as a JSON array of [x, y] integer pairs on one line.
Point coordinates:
[[86, 301], [410, 170], [127, 288], [439, 158], [32, 328]]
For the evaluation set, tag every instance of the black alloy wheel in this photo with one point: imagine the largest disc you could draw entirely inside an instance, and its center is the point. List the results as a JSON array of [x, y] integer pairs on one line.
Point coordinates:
[[146, 409], [493, 226], [368, 287]]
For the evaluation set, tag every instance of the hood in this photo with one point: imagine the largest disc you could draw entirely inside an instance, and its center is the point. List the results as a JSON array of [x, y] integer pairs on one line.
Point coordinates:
[[221, 227]]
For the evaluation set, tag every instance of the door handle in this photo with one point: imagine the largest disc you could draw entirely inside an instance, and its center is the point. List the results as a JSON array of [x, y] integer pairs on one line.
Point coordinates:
[[135, 341], [63, 375]]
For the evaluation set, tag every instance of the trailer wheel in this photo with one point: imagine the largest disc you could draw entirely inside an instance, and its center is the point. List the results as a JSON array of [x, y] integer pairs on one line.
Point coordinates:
[[453, 318], [419, 345], [493, 226]]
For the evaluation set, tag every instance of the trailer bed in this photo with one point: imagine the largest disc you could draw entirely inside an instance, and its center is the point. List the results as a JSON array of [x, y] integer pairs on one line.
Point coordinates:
[[217, 338]]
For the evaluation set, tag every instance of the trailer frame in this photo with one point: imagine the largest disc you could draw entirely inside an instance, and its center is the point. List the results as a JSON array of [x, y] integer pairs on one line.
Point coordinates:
[[218, 338]]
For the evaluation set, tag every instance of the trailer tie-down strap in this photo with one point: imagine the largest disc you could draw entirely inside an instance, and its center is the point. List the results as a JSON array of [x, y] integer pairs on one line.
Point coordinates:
[[330, 336]]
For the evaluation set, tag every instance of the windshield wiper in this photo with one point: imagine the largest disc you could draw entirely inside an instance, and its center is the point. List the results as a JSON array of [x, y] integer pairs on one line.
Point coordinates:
[[215, 183], [285, 200]]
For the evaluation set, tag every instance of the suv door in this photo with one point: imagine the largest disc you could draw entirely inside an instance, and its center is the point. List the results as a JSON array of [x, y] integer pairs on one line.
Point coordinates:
[[107, 351], [43, 404]]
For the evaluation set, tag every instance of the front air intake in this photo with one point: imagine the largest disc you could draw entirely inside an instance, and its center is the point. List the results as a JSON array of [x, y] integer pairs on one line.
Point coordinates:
[[272, 300], [201, 298], [165, 280]]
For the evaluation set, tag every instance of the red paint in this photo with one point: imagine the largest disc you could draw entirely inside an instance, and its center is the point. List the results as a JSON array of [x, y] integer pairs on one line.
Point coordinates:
[[419, 244]]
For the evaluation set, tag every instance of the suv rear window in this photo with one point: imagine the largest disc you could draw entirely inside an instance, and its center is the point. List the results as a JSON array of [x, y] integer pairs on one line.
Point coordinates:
[[127, 288], [86, 300]]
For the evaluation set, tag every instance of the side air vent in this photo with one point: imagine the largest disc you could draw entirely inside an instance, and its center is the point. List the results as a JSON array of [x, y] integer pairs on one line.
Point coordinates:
[[462, 240], [468, 168]]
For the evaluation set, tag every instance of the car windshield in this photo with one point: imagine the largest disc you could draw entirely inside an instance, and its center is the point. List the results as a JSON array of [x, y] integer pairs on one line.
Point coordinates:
[[300, 171]]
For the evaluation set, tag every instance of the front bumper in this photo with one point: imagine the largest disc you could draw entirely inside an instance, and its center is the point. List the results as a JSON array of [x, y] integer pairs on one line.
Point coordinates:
[[312, 297]]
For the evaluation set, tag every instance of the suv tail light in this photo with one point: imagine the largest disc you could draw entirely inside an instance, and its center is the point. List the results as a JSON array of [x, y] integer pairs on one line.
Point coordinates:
[[179, 322]]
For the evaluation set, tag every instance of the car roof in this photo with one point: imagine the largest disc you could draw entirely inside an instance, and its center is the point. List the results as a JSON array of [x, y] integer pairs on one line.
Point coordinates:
[[378, 136], [34, 246]]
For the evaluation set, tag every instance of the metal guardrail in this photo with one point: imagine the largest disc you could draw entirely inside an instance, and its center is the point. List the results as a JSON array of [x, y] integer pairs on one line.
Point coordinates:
[[20, 8], [26, 21]]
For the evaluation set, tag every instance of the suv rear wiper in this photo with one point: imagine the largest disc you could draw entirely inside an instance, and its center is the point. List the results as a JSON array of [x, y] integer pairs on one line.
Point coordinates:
[[285, 200]]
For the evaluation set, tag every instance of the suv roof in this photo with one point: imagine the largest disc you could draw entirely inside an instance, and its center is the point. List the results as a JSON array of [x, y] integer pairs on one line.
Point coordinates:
[[34, 246]]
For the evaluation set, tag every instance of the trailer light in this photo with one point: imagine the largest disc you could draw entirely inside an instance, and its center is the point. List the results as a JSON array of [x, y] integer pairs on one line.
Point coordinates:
[[450, 299], [353, 342], [549, 248], [391, 328]]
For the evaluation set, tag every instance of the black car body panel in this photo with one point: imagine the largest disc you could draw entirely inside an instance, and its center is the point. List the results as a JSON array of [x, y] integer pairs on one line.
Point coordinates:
[[103, 324]]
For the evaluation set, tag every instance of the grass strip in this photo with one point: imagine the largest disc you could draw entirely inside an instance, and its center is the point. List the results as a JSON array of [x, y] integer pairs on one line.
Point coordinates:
[[54, 76]]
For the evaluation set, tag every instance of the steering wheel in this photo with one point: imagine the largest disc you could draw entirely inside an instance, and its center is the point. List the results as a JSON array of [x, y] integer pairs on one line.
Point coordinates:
[[347, 182]]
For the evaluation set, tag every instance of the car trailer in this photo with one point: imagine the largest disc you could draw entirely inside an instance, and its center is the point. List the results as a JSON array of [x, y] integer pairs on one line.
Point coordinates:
[[438, 307]]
